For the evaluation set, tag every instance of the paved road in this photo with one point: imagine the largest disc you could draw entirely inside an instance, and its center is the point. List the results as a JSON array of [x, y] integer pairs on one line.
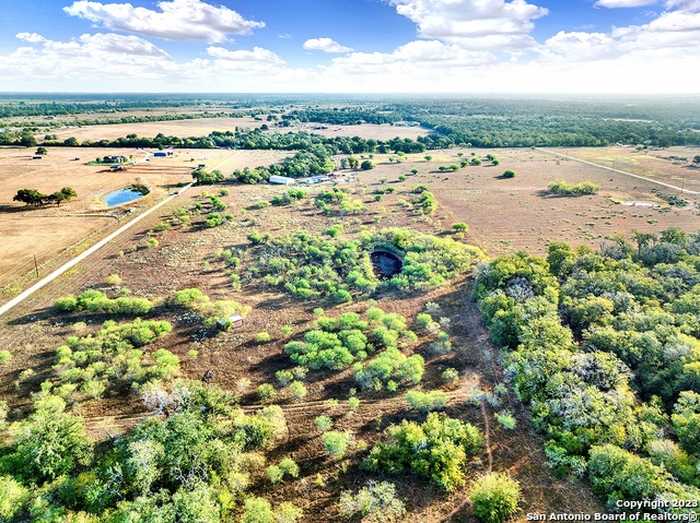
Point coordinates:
[[618, 171], [75, 261]]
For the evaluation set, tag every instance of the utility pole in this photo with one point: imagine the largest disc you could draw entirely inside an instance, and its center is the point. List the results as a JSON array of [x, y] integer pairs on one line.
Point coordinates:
[[36, 267]]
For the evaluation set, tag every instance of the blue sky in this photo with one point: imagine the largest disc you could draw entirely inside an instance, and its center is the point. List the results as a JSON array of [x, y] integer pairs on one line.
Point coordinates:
[[348, 45]]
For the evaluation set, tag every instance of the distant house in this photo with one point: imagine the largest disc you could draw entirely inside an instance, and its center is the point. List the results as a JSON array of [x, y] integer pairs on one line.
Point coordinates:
[[282, 180], [163, 154]]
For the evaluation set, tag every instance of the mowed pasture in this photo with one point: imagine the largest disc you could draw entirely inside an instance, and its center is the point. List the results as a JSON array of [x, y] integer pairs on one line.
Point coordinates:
[[179, 128], [670, 165], [510, 214], [49, 231]]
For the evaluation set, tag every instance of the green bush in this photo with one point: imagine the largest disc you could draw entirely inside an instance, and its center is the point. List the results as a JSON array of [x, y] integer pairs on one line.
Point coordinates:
[[495, 497], [373, 503], [436, 449], [337, 343], [13, 497], [311, 267], [562, 188], [5, 356], [95, 301], [214, 313], [336, 443], [389, 370], [426, 401], [508, 174], [323, 423]]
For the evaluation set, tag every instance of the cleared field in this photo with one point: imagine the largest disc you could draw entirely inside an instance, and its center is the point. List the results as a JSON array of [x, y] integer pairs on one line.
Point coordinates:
[[508, 214], [375, 131], [180, 128], [48, 232], [671, 165]]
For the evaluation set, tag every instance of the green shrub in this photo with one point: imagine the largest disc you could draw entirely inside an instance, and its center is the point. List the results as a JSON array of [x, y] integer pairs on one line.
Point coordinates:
[[460, 228], [112, 357], [298, 390], [336, 443], [426, 401], [323, 423], [436, 449], [373, 503], [562, 188], [450, 376], [5, 356], [263, 337], [508, 174], [98, 302], [389, 370], [506, 420], [311, 267], [213, 313], [495, 497], [13, 497], [266, 392]]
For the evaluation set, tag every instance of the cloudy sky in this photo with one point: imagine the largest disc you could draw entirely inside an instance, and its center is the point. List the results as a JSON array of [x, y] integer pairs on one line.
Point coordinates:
[[412, 46]]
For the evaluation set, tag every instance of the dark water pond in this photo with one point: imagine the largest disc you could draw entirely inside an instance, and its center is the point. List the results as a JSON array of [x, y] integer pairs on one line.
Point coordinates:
[[121, 197], [386, 264]]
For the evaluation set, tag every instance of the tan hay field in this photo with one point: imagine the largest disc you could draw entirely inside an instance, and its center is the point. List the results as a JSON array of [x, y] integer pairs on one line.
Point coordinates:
[[47, 232], [180, 128]]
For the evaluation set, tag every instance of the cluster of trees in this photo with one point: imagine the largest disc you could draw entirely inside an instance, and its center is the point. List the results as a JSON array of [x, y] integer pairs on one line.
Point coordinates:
[[604, 347], [86, 366], [36, 198], [193, 464], [313, 267], [316, 160], [437, 449], [338, 343], [338, 202]]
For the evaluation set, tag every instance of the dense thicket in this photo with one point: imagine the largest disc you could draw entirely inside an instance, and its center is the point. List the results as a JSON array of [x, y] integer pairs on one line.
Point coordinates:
[[604, 348], [312, 267], [193, 464]]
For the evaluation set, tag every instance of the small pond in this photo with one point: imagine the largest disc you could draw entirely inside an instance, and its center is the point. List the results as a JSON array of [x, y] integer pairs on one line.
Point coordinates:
[[386, 264], [121, 197]]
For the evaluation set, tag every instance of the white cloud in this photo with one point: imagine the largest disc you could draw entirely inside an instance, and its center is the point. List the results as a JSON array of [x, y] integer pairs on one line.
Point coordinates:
[[32, 38], [612, 4], [327, 45], [473, 23], [175, 19], [661, 56]]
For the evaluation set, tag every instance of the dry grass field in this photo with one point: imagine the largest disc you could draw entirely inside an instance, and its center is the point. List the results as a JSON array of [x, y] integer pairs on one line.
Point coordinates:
[[671, 165], [180, 128], [48, 232]]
